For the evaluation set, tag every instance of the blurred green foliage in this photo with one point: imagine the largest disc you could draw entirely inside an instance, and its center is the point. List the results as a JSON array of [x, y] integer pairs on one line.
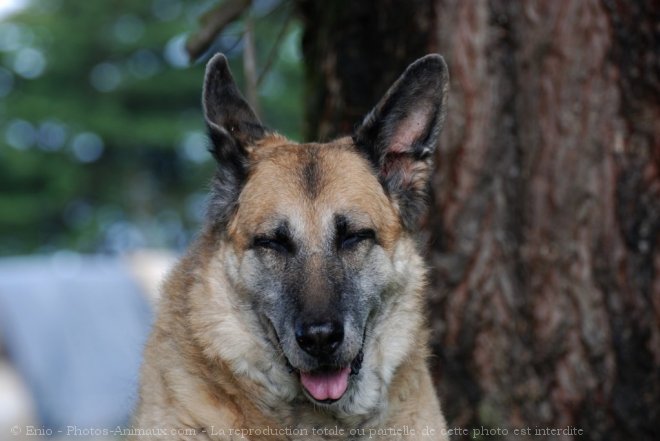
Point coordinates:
[[102, 145]]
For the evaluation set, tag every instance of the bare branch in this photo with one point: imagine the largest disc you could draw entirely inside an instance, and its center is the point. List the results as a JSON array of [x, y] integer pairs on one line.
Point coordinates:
[[212, 23], [275, 49], [250, 65]]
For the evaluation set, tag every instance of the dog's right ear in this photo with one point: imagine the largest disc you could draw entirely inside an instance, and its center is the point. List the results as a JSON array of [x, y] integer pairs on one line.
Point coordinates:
[[232, 127]]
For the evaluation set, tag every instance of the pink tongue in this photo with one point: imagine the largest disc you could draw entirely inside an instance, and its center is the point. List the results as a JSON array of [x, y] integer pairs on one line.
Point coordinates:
[[326, 385]]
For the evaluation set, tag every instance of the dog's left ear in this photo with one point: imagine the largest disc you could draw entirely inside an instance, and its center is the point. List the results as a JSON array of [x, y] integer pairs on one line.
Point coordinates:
[[233, 126], [400, 135]]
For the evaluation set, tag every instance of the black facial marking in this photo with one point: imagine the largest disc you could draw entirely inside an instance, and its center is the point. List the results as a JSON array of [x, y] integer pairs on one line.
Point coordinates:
[[341, 224], [356, 365], [311, 175]]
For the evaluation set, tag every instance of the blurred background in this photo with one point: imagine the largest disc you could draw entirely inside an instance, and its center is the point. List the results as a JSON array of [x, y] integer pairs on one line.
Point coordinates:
[[543, 232]]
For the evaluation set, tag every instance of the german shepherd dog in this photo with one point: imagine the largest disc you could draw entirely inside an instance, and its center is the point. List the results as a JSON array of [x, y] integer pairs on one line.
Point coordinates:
[[299, 311]]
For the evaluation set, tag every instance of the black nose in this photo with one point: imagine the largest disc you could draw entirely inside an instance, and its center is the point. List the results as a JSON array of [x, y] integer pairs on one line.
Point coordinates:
[[319, 338]]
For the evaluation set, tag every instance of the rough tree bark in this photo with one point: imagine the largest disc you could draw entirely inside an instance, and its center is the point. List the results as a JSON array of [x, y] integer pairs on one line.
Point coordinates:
[[544, 228]]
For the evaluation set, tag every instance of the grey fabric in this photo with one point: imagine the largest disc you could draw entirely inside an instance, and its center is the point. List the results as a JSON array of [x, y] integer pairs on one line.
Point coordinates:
[[74, 326]]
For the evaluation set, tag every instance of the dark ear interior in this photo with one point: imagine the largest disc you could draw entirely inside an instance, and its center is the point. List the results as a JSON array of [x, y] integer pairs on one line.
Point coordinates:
[[232, 126], [400, 134]]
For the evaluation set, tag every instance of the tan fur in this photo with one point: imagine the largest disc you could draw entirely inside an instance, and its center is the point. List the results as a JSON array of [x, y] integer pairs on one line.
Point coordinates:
[[209, 367]]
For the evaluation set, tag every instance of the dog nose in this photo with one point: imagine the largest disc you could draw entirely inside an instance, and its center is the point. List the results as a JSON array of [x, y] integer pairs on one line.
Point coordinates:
[[319, 338]]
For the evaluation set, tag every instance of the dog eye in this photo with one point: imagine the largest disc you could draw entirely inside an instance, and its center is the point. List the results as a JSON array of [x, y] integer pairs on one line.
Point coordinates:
[[350, 240], [279, 240], [281, 245]]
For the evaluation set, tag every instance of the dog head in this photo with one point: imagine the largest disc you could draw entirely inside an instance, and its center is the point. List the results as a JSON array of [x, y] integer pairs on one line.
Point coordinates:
[[318, 236]]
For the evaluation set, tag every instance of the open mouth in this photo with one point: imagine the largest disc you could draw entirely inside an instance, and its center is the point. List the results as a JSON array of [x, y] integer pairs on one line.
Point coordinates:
[[327, 385]]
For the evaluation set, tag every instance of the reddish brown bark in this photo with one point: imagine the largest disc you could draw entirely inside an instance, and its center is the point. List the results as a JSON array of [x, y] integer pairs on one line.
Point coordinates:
[[544, 227], [544, 299]]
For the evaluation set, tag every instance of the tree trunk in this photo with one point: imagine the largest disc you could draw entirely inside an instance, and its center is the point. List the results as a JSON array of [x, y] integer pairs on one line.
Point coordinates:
[[545, 218], [354, 51]]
